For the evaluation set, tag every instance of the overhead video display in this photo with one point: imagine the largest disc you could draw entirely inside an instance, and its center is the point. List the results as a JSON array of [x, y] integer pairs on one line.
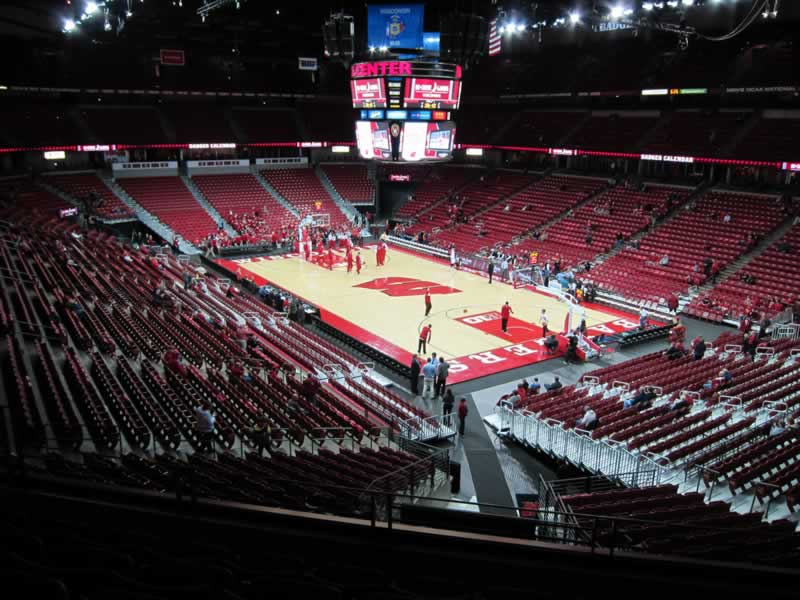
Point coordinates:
[[368, 93], [411, 141], [431, 93]]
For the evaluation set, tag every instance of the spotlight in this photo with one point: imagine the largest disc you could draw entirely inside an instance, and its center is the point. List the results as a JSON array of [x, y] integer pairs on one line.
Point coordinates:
[[91, 8], [371, 49], [128, 14], [575, 17], [520, 27], [617, 11], [502, 29], [647, 6], [672, 3], [384, 48], [69, 25], [687, 2]]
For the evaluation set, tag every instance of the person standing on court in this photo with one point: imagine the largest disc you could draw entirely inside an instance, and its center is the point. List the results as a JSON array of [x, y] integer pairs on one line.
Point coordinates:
[[349, 260], [428, 377], [416, 368], [428, 304], [358, 263], [424, 338], [490, 270], [543, 321], [505, 313], [441, 377], [463, 411]]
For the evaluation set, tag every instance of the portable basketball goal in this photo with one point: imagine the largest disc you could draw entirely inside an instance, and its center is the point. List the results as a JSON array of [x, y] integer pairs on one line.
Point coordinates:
[[320, 219], [532, 276], [527, 276], [312, 220]]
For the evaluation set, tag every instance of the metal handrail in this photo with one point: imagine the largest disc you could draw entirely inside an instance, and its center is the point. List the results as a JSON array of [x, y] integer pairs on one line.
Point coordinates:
[[189, 495]]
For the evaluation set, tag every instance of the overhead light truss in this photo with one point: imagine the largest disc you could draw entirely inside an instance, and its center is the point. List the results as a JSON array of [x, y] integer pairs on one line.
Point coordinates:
[[207, 6]]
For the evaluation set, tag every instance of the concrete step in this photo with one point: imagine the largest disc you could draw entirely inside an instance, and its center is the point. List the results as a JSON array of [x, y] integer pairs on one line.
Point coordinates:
[[744, 260], [202, 201], [273, 192], [347, 209], [147, 218]]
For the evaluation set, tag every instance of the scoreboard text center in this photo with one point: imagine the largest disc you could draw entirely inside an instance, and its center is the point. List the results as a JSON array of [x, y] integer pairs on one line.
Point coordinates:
[[385, 90]]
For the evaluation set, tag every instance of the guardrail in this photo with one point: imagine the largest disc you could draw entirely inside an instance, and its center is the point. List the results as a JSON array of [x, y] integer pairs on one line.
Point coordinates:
[[429, 429], [552, 521], [606, 457]]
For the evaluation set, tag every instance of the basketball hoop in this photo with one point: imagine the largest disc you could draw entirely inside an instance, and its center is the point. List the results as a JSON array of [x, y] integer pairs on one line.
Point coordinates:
[[321, 219], [527, 276]]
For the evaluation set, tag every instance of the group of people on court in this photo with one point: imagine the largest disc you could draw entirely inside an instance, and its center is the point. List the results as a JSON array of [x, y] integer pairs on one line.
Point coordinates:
[[328, 259]]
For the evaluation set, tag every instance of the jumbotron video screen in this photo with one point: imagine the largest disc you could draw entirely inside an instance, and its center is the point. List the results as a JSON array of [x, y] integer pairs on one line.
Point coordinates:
[[406, 109]]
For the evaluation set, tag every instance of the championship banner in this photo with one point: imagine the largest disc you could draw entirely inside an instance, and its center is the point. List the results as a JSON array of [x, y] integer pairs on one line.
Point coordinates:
[[395, 26]]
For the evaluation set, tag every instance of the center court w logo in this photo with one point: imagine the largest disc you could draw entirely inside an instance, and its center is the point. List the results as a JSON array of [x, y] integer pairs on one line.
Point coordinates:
[[406, 286]]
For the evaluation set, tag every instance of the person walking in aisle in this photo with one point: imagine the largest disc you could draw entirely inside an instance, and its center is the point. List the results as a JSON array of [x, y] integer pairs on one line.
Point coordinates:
[[416, 369], [505, 313], [424, 338], [428, 304], [463, 411], [442, 372], [447, 406]]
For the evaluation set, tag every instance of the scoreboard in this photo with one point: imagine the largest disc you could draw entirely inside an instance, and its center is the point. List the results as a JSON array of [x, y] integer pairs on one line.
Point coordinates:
[[431, 93], [368, 93], [406, 109]]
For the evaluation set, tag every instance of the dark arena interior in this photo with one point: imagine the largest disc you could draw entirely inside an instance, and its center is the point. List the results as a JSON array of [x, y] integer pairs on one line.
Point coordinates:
[[472, 300]]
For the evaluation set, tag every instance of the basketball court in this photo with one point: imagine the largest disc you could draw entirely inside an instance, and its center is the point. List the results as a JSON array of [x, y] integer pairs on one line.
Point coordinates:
[[384, 307]]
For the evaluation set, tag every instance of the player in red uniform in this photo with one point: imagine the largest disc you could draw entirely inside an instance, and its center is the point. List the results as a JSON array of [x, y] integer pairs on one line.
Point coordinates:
[[428, 304], [505, 313], [358, 263], [349, 260], [330, 259], [380, 255]]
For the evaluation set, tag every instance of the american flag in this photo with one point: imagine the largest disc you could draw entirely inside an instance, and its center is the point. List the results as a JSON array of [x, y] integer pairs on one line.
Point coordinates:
[[495, 41]]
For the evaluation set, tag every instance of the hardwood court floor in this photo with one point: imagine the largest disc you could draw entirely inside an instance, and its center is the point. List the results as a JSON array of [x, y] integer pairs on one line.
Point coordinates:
[[385, 307]]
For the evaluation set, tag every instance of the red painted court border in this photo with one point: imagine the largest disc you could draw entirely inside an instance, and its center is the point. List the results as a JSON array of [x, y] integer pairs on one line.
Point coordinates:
[[464, 368]]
